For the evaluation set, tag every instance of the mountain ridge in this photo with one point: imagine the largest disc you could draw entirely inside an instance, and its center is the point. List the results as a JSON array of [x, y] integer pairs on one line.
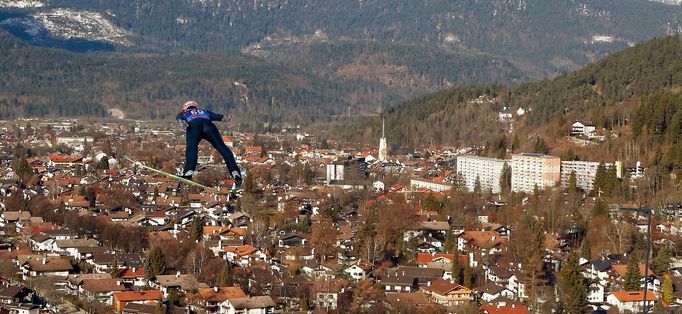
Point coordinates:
[[609, 93]]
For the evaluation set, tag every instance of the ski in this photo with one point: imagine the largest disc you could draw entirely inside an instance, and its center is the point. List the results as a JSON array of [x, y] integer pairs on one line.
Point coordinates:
[[172, 176]]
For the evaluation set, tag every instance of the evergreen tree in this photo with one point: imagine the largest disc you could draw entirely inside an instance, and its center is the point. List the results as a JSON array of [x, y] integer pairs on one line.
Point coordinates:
[[659, 308], [456, 268], [599, 178], [639, 248], [467, 276], [600, 208], [572, 191], [114, 269], [533, 266], [505, 178], [173, 300], [477, 186], [249, 185], [303, 304], [226, 276], [450, 243], [22, 169], [612, 183], [572, 184], [572, 287], [458, 183], [631, 280], [156, 265], [585, 249], [661, 263], [667, 289], [103, 163], [19, 151], [196, 228], [540, 146], [516, 143]]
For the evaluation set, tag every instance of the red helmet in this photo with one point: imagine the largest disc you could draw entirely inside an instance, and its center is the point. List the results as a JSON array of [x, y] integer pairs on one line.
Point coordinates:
[[189, 105]]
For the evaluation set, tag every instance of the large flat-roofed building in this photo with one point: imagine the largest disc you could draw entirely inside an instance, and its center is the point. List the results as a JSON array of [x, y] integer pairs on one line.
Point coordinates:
[[487, 170], [347, 170], [430, 184], [529, 170], [585, 173]]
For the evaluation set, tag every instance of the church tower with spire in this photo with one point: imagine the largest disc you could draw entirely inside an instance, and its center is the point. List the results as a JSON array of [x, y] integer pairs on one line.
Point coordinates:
[[383, 149]]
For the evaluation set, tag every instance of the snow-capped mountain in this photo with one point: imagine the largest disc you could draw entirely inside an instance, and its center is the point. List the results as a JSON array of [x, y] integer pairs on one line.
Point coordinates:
[[69, 24], [66, 24], [669, 2], [21, 4]]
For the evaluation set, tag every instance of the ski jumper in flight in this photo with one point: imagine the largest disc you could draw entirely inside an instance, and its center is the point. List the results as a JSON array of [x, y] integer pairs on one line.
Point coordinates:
[[199, 125]]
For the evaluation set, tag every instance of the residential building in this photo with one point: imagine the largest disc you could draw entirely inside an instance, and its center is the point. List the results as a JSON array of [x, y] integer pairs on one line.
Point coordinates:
[[447, 293], [491, 291], [54, 266], [73, 141], [431, 185], [596, 293], [15, 294], [486, 171], [211, 298], [347, 170], [101, 289], [585, 173], [120, 299], [530, 170], [586, 129], [251, 305], [632, 301], [182, 282], [505, 115]]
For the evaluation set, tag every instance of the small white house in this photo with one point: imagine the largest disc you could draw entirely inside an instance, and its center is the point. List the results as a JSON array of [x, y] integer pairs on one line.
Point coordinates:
[[586, 129], [251, 305], [596, 293], [378, 186], [632, 301], [356, 272], [505, 114], [517, 286]]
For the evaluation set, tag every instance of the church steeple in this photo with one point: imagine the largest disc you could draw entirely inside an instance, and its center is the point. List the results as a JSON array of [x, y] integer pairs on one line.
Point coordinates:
[[383, 149], [383, 128]]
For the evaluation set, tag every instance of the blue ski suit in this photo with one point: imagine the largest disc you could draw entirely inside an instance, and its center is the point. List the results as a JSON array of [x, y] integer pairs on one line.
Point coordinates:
[[200, 126]]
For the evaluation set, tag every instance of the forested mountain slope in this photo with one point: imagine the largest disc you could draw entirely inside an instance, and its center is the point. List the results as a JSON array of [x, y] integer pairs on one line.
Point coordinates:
[[53, 82], [387, 51], [633, 94]]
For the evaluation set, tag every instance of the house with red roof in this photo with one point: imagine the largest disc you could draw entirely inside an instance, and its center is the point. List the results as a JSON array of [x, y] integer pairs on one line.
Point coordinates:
[[447, 293], [632, 301], [133, 276], [228, 141], [425, 258], [210, 298], [244, 255], [64, 161], [120, 299]]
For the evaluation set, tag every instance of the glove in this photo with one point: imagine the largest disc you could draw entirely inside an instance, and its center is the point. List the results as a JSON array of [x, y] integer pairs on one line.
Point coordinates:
[[182, 123]]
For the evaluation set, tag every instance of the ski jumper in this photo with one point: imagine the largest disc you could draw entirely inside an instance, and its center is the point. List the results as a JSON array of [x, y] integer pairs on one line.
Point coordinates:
[[200, 126]]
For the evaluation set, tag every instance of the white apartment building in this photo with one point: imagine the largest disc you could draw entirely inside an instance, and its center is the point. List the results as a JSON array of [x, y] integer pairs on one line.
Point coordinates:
[[487, 170], [436, 186], [72, 141], [529, 170], [585, 172]]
